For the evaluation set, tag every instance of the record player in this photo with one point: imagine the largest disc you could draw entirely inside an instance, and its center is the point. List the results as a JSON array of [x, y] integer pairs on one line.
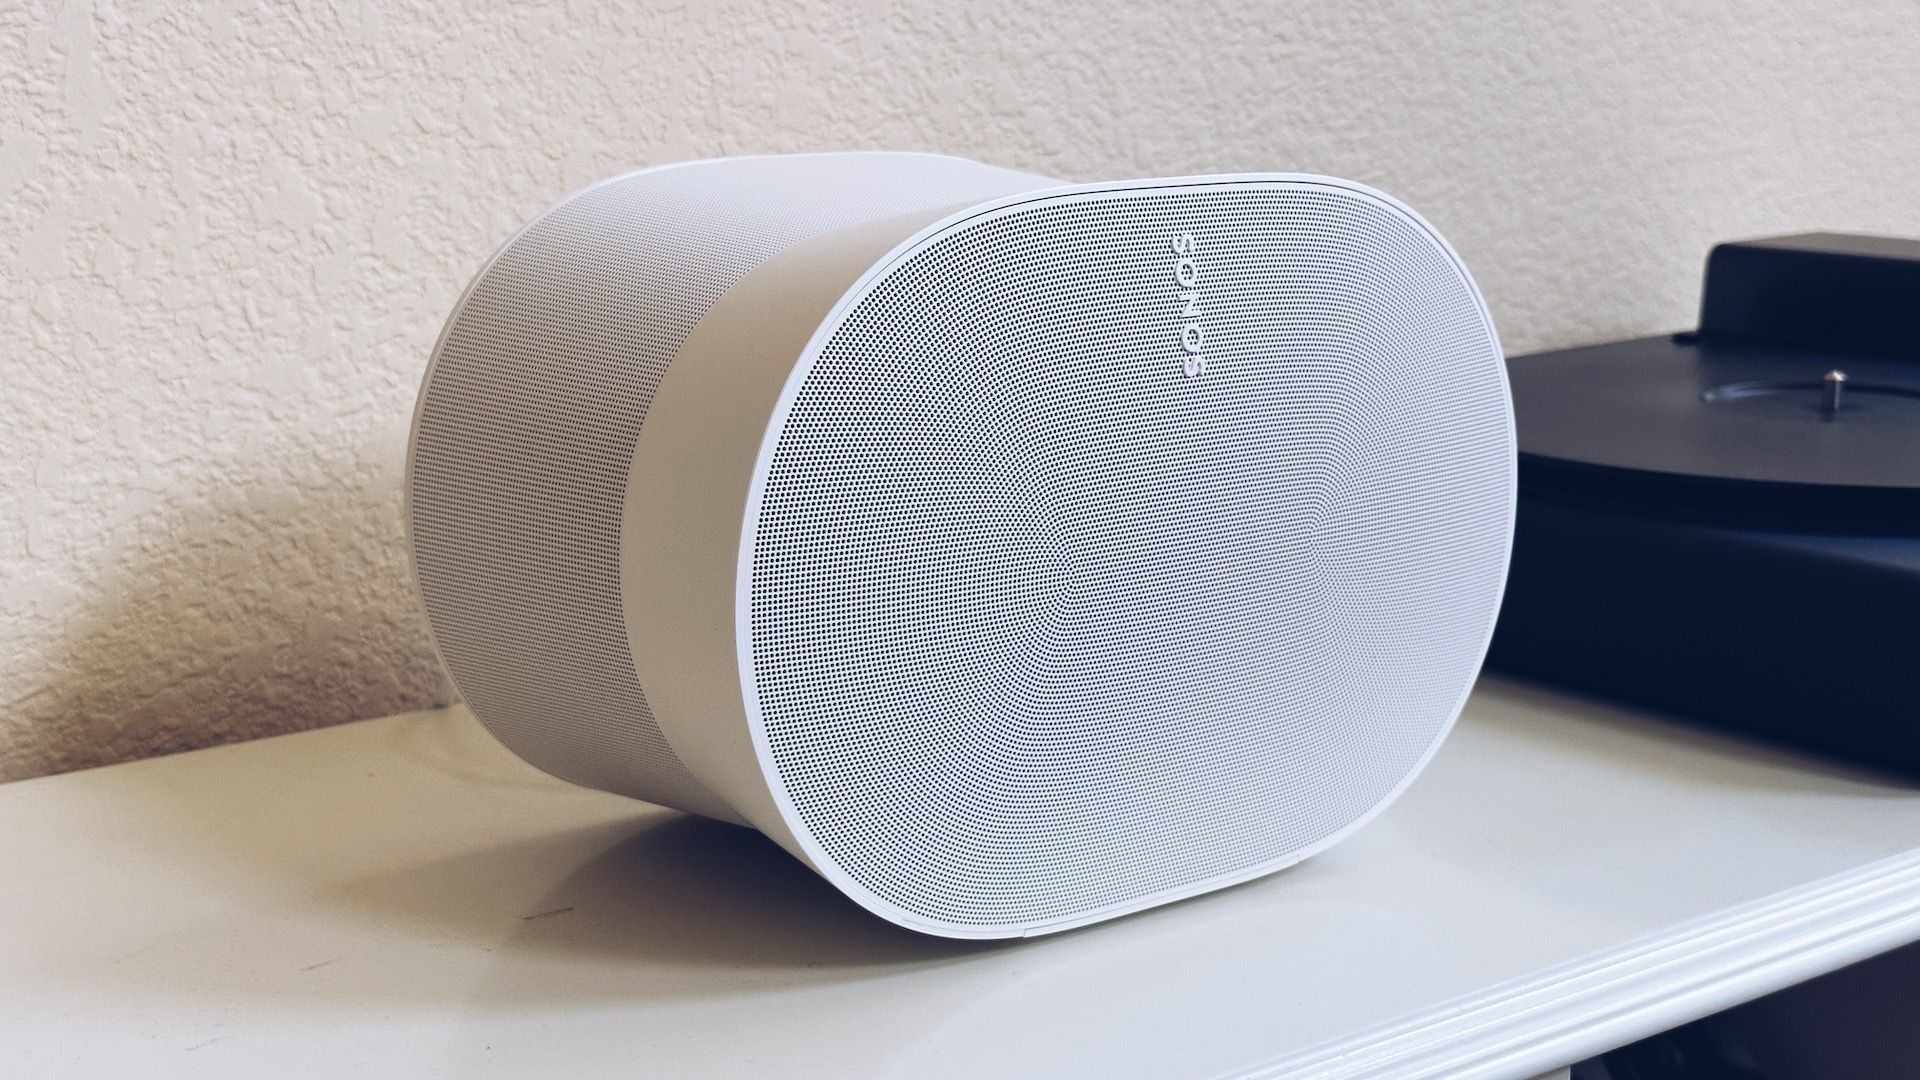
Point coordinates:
[[1725, 523]]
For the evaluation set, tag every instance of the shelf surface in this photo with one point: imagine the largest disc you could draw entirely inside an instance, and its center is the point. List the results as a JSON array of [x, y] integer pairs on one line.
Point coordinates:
[[401, 897]]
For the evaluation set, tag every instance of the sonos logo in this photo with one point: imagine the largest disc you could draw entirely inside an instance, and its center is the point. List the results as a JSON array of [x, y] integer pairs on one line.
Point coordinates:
[[1186, 274]]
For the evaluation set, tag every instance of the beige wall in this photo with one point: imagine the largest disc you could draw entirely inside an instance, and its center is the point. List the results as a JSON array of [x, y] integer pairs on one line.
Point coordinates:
[[228, 236]]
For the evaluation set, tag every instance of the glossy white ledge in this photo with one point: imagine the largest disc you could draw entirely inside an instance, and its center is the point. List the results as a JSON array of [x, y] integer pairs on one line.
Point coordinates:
[[401, 898]]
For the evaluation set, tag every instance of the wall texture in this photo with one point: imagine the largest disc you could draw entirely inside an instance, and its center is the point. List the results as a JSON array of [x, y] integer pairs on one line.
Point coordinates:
[[228, 235]]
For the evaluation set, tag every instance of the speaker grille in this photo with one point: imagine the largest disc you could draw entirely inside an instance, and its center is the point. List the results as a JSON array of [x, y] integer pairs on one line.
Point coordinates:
[[528, 419], [1042, 624]]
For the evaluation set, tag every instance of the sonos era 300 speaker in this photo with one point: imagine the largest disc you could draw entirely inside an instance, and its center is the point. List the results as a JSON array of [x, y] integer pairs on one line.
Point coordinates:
[[1016, 554]]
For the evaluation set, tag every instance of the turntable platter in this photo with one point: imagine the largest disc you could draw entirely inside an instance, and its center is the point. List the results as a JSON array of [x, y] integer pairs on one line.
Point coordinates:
[[1711, 425]]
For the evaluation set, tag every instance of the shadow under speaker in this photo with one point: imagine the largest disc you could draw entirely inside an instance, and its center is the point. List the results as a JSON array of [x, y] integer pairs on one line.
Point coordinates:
[[1015, 553]]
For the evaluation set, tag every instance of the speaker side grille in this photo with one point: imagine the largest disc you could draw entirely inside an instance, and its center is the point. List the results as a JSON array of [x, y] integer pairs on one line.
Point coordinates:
[[528, 421]]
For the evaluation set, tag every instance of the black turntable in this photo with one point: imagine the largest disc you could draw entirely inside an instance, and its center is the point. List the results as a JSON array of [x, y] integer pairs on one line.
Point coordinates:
[[1725, 524]]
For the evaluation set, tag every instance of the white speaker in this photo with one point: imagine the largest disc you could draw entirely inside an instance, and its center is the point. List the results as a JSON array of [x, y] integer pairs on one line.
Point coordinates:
[[1015, 553]]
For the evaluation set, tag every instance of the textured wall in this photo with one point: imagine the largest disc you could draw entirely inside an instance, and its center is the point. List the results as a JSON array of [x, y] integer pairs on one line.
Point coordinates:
[[228, 235]]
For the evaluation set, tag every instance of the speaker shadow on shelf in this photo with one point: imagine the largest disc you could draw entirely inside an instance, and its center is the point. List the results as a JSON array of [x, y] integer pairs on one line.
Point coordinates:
[[653, 907], [675, 898]]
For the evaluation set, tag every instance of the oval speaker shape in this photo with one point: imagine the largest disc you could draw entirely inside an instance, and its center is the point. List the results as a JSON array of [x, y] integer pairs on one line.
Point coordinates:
[[1017, 554]]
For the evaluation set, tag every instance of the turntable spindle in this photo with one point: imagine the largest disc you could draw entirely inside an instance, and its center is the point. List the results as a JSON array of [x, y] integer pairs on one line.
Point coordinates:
[[1833, 384]]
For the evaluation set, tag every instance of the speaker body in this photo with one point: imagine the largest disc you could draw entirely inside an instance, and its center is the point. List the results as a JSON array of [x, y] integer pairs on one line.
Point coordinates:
[[1017, 554]]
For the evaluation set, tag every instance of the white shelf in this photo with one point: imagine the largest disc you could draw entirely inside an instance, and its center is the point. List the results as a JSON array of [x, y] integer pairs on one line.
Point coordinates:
[[401, 898]]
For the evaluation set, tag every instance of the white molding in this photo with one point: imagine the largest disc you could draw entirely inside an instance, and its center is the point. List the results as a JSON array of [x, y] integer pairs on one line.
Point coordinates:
[[1585, 1007]]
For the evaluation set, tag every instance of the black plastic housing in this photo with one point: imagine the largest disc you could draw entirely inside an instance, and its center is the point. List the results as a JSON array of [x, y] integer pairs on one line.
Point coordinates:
[[1694, 573], [1831, 291], [1804, 638]]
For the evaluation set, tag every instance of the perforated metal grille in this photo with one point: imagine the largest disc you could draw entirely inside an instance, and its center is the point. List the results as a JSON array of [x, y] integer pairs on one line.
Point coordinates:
[[1043, 625], [528, 421]]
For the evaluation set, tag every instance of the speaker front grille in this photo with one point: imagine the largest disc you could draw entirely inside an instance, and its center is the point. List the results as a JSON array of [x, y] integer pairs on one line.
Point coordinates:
[[1051, 614]]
